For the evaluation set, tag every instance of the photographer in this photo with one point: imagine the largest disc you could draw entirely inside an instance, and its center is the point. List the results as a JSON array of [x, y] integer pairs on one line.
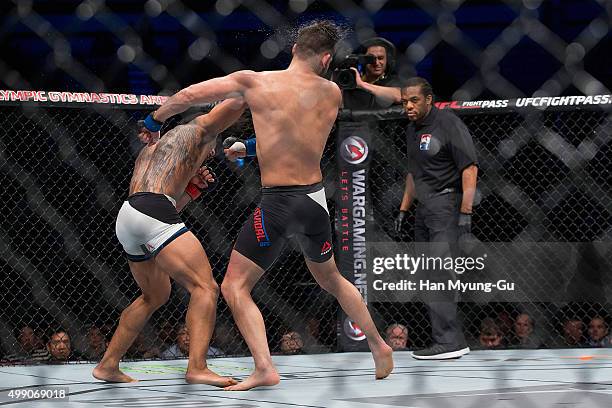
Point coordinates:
[[377, 87]]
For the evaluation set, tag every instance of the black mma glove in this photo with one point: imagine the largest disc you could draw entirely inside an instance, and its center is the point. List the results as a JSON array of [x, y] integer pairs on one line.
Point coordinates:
[[464, 224], [193, 188]]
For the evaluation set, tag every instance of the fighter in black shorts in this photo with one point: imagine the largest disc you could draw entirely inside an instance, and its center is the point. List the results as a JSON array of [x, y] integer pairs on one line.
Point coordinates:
[[293, 112], [283, 213]]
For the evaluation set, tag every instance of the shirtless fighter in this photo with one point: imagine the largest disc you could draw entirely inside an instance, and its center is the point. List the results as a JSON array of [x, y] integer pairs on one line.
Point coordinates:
[[293, 112], [159, 246]]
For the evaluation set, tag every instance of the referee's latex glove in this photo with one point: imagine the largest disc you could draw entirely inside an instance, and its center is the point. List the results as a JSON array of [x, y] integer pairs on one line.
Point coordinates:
[[399, 221]]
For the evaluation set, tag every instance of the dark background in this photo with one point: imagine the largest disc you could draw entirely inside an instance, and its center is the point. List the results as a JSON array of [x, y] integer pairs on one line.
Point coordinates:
[[93, 34]]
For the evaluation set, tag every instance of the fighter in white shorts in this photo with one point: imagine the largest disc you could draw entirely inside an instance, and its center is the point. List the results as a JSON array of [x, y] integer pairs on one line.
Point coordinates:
[[167, 176]]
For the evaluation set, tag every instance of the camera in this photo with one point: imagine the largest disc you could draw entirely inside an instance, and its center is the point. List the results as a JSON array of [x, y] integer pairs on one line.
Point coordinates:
[[343, 75]]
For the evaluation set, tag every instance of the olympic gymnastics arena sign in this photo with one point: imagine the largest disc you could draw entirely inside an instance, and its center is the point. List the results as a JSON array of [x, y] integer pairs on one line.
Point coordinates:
[[80, 97]]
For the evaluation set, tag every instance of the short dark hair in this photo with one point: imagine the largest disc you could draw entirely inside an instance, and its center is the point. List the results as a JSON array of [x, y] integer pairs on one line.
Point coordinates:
[[425, 86], [489, 327], [52, 332], [317, 37]]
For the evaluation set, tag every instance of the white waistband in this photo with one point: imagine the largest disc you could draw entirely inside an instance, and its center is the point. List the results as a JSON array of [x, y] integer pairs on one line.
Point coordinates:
[[172, 200]]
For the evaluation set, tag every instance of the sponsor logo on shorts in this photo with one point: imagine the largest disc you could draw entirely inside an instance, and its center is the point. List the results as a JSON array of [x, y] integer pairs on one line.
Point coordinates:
[[352, 330], [425, 141], [326, 248], [260, 229], [354, 150]]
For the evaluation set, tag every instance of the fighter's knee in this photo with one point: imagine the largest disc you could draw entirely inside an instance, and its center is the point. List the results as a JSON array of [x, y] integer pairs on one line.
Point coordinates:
[[156, 300], [328, 282], [213, 288], [226, 289], [229, 290], [208, 288]]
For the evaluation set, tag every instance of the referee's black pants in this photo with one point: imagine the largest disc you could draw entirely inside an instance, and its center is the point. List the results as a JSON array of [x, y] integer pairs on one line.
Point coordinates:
[[436, 224]]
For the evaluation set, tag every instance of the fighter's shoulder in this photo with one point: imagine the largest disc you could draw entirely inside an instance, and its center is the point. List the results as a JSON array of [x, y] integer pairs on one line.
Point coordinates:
[[244, 76], [331, 87]]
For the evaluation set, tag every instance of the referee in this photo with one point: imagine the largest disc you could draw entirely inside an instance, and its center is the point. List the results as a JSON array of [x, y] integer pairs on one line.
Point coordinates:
[[442, 177]]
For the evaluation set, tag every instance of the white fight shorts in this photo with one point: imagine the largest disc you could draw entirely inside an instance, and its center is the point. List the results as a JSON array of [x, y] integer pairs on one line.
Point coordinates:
[[146, 223]]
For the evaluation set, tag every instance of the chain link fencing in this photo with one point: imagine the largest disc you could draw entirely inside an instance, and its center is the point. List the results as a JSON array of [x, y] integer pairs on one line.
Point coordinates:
[[66, 173], [542, 209], [544, 177], [66, 170]]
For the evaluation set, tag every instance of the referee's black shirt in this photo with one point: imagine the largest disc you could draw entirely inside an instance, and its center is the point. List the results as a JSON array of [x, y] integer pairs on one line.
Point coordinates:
[[439, 149]]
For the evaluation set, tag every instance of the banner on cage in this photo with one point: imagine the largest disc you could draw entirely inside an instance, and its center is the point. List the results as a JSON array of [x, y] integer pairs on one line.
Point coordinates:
[[540, 102], [352, 207], [51, 97]]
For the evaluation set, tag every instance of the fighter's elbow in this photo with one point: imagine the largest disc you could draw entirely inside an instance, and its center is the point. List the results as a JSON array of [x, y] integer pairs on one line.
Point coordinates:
[[470, 171], [237, 103], [207, 130]]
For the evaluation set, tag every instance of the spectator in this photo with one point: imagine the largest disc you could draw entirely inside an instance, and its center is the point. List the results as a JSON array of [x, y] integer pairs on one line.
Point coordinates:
[[227, 340], [573, 333], [312, 339], [181, 347], [59, 347], [96, 343], [29, 340], [32, 347], [142, 349], [505, 323], [292, 343], [524, 336], [377, 86], [598, 333], [167, 334], [490, 336], [396, 336]]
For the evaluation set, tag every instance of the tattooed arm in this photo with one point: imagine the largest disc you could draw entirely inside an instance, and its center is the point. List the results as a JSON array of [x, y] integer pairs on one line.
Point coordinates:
[[221, 117], [216, 121]]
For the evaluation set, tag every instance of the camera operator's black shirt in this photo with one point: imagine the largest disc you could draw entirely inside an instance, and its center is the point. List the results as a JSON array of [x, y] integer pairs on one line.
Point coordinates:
[[439, 149], [362, 99]]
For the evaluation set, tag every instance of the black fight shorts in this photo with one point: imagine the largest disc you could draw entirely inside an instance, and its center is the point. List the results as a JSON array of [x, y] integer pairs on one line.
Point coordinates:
[[283, 213]]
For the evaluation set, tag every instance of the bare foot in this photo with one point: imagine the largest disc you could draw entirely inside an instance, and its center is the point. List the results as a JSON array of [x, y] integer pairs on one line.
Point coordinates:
[[383, 360], [256, 379], [113, 375], [206, 376]]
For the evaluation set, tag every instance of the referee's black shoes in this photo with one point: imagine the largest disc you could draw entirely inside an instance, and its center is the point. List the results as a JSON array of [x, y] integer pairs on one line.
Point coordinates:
[[441, 352]]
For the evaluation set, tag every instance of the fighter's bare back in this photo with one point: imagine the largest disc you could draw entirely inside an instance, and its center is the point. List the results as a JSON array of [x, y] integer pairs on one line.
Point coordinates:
[[293, 114], [167, 166]]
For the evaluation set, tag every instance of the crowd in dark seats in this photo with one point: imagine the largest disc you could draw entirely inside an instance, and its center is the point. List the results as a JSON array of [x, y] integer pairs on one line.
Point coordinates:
[[503, 329], [574, 332], [35, 347]]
